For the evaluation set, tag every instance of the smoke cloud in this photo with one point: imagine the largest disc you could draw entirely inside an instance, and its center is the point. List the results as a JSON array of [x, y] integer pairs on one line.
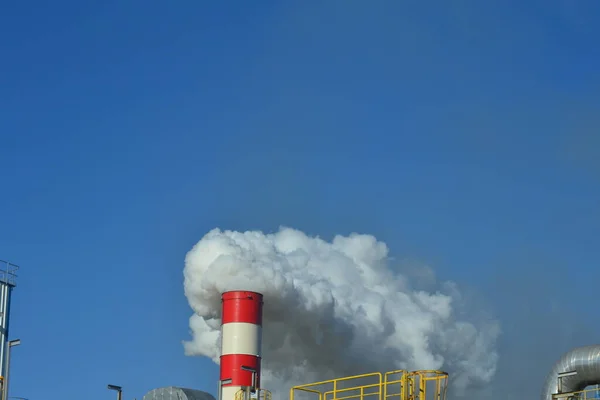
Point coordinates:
[[336, 308]]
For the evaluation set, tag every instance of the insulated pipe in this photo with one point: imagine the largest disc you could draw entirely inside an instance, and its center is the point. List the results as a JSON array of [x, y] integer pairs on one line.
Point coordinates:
[[583, 366], [241, 334]]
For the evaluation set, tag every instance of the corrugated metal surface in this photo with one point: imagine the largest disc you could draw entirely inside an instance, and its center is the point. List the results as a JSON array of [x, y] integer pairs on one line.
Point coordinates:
[[583, 360], [176, 393]]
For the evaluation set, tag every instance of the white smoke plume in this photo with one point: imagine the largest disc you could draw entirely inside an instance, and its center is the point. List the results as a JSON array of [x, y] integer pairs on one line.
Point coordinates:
[[333, 309]]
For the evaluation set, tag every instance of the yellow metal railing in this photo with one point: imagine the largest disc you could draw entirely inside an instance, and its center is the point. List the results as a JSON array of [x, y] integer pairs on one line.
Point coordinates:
[[393, 385], [586, 394], [258, 394], [426, 385], [343, 389]]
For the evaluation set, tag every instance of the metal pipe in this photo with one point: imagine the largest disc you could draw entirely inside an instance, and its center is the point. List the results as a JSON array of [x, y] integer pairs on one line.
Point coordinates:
[[7, 365], [8, 275], [118, 389], [576, 369], [11, 344]]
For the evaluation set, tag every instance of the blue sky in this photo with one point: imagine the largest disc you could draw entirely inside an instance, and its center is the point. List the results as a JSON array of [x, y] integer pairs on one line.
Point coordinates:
[[465, 135]]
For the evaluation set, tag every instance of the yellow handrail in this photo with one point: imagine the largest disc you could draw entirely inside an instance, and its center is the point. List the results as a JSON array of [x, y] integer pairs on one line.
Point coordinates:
[[389, 382], [360, 395], [417, 384], [393, 385], [586, 394], [332, 386]]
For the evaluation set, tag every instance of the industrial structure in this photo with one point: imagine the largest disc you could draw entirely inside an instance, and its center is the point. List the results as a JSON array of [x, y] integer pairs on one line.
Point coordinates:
[[176, 393], [240, 366], [8, 281], [241, 334], [573, 374]]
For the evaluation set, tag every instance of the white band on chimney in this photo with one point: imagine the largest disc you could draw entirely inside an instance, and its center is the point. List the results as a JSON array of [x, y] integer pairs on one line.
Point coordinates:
[[241, 338], [229, 392]]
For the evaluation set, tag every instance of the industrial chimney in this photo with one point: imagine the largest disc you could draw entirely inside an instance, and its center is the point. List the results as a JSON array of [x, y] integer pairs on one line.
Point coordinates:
[[241, 334]]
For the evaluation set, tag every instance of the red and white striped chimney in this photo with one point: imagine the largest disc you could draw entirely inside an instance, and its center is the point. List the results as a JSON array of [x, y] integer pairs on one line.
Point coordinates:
[[241, 334]]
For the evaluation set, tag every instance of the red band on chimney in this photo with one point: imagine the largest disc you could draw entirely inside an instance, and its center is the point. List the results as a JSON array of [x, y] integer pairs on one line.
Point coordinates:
[[242, 306], [236, 367]]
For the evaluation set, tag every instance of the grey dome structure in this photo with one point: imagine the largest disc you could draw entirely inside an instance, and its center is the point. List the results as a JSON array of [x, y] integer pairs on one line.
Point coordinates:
[[177, 393]]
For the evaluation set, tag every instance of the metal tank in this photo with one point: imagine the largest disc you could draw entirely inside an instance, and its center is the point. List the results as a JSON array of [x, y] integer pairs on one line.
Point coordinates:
[[177, 393], [576, 369]]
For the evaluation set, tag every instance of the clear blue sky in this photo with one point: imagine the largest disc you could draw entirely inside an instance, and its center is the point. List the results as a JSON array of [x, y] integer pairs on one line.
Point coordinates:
[[465, 135]]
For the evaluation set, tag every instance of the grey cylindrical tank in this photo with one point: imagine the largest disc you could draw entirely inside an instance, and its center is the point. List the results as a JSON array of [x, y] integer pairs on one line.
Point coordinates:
[[177, 393]]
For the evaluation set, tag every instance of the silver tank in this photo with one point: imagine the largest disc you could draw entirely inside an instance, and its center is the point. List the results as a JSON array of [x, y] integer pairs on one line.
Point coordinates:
[[177, 393], [583, 360]]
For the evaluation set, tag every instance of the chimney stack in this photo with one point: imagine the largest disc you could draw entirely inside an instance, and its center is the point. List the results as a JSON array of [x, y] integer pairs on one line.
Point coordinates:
[[241, 334]]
